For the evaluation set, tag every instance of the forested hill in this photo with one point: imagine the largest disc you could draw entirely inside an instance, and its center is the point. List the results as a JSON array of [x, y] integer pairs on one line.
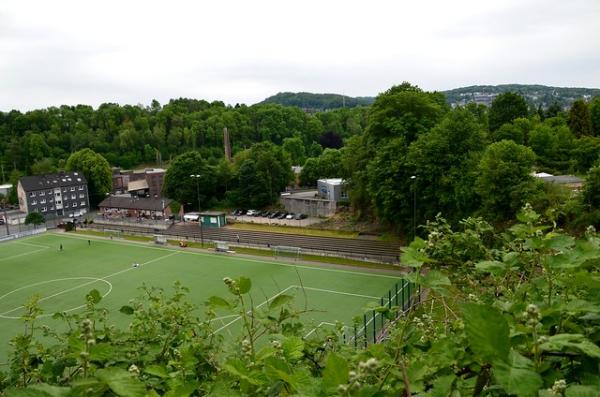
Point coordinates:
[[535, 95], [317, 102]]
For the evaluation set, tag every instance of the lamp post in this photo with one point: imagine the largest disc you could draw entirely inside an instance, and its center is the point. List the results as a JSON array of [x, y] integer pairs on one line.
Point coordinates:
[[197, 178], [414, 179]]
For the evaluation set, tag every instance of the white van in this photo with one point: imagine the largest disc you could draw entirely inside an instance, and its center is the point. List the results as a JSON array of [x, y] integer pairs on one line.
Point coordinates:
[[191, 217]]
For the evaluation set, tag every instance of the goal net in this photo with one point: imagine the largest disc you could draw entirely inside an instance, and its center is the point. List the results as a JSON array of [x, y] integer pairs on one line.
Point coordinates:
[[282, 251], [221, 246]]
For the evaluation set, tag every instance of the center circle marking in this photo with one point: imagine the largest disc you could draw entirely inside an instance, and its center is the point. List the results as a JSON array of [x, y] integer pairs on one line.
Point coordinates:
[[92, 280]]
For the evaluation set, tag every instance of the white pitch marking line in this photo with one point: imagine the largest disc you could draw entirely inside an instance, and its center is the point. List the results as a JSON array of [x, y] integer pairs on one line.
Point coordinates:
[[336, 292], [222, 317], [249, 311], [266, 262], [89, 282], [4, 315], [319, 326], [23, 254]]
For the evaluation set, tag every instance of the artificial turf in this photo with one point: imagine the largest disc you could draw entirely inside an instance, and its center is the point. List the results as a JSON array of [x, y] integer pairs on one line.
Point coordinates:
[[61, 279]]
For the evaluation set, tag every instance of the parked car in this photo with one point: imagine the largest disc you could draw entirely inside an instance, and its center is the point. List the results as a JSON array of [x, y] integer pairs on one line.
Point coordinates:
[[252, 212], [300, 216], [274, 214], [235, 212], [289, 216], [282, 215]]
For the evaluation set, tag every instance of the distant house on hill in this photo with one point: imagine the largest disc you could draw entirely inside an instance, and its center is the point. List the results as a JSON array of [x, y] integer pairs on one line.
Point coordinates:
[[54, 195]]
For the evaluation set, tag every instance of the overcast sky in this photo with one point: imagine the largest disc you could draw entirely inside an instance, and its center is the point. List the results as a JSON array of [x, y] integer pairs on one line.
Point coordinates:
[[69, 52]]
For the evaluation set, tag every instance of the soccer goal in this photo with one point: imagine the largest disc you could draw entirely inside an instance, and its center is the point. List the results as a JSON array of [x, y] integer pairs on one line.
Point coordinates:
[[282, 251], [221, 246], [160, 239]]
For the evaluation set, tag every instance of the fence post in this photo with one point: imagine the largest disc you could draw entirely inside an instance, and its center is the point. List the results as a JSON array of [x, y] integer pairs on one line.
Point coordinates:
[[381, 314], [374, 327], [365, 328], [355, 337], [396, 286], [389, 299]]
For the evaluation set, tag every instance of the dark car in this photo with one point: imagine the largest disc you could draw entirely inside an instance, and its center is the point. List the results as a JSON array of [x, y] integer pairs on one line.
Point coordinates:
[[274, 214], [282, 215], [300, 216]]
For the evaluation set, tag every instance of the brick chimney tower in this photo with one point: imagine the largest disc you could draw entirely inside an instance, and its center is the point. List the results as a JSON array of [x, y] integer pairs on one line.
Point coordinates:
[[227, 144]]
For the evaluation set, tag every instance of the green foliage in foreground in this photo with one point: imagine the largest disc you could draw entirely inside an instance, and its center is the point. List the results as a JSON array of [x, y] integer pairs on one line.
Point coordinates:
[[516, 313]]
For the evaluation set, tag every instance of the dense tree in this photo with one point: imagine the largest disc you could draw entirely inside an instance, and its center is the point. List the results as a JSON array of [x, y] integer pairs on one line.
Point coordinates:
[[181, 186], [34, 218], [96, 170], [553, 110], [295, 148], [591, 189], [272, 167], [405, 111], [505, 182], [505, 108], [445, 160], [579, 118], [595, 115], [327, 165], [332, 140], [389, 184], [553, 146]]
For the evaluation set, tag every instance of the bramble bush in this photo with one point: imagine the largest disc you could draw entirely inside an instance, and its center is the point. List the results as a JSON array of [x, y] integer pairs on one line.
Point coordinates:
[[505, 313]]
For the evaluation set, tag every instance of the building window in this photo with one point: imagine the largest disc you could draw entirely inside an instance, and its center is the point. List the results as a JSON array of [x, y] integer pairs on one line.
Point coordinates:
[[82, 203], [73, 196], [42, 193], [72, 188], [57, 194], [31, 194], [52, 208], [74, 204], [81, 195], [44, 209], [34, 202], [43, 201], [81, 187]]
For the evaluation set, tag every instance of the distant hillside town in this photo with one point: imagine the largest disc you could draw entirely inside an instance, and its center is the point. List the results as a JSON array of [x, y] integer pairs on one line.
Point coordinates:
[[535, 95]]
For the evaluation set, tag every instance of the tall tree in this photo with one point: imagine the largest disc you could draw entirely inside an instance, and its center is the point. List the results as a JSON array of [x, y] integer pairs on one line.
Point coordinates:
[[591, 189], [445, 161], [505, 108], [505, 182], [595, 115], [181, 186], [579, 118], [406, 111], [96, 170], [295, 148]]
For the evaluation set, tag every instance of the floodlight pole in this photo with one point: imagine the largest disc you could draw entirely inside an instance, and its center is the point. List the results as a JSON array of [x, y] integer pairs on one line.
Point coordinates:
[[414, 179], [197, 178]]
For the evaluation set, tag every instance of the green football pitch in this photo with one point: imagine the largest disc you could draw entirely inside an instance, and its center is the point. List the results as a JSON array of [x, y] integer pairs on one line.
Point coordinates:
[[61, 279]]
